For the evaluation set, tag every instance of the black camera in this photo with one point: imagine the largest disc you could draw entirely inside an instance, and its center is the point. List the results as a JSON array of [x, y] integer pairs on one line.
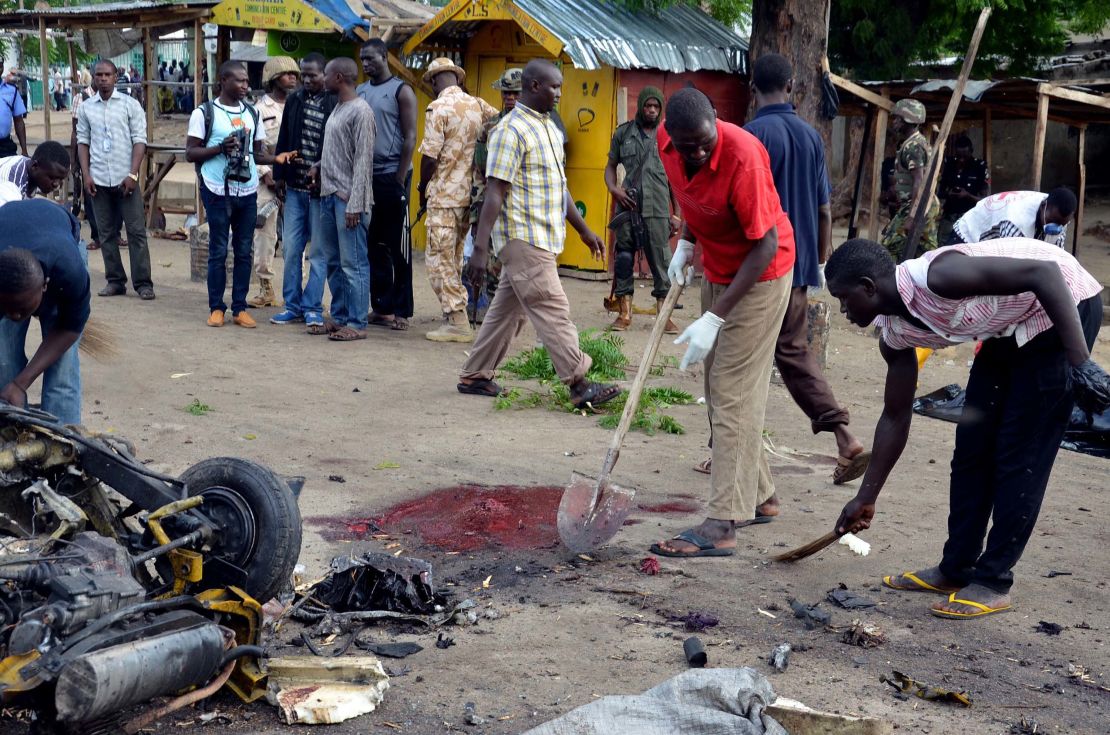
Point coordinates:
[[238, 163]]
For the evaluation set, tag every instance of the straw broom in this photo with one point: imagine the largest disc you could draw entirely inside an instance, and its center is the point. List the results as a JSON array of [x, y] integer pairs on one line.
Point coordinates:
[[98, 341]]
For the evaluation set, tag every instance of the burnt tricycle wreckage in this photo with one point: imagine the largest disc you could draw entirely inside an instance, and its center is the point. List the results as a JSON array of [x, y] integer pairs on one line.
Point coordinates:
[[119, 584]]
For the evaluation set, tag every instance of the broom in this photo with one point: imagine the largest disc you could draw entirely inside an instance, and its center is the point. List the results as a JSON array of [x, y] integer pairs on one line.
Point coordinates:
[[98, 341]]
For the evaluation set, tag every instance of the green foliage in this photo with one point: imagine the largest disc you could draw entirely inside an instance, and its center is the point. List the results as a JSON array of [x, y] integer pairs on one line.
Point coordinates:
[[609, 363], [727, 12], [197, 408]]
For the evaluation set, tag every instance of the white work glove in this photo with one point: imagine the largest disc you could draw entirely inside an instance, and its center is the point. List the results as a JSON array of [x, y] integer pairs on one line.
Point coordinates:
[[822, 285], [683, 254], [701, 335]]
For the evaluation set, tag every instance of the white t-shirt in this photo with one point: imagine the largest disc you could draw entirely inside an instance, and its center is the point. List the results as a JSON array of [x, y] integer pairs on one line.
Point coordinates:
[[224, 121]]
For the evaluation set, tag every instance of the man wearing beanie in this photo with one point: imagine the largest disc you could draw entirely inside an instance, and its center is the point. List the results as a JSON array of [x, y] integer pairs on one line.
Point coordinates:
[[644, 219]]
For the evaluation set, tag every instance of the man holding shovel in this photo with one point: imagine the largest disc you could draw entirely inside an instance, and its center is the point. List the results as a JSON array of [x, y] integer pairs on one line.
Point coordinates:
[[526, 210], [721, 176], [1037, 312]]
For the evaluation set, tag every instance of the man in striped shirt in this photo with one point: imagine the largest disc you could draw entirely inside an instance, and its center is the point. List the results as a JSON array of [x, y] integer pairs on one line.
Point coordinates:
[[526, 210], [42, 173], [1037, 312]]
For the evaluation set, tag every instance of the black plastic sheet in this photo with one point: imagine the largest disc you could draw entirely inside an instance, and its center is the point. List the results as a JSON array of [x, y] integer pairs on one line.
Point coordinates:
[[1087, 433]]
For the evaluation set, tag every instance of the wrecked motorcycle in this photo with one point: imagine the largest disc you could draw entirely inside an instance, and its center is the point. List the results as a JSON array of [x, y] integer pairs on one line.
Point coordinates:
[[119, 584]]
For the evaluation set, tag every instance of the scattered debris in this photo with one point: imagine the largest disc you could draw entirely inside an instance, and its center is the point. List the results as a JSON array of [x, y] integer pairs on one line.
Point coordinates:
[[771, 615], [390, 650], [470, 716], [386, 465], [864, 635], [337, 478], [443, 642], [649, 565], [1057, 573], [906, 685], [780, 657], [855, 544], [695, 622], [795, 717], [1049, 628], [695, 653], [848, 600], [811, 614], [1025, 727], [322, 691]]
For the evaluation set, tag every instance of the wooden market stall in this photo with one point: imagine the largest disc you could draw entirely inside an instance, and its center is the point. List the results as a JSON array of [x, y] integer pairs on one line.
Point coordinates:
[[607, 54], [984, 102]]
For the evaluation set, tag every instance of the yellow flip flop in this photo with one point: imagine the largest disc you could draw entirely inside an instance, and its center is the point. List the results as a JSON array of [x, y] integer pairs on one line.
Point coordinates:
[[983, 609], [921, 585]]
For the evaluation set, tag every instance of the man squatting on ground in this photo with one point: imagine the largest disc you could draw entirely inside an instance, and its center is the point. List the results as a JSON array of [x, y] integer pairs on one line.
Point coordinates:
[[346, 176], [1038, 313], [526, 209], [644, 220], [42, 273], [394, 106], [797, 157], [721, 177]]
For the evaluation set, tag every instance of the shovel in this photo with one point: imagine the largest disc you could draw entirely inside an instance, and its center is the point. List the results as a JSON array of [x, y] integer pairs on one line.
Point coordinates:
[[592, 511]]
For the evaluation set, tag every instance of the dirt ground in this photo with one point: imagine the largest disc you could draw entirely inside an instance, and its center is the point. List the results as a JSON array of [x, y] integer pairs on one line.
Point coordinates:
[[569, 629]]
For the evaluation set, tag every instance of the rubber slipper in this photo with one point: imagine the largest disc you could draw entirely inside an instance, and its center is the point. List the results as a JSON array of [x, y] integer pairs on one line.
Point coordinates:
[[920, 585], [481, 388], [316, 329], [851, 469], [346, 334], [595, 395], [705, 546], [759, 518], [400, 324], [982, 609], [705, 467], [377, 320]]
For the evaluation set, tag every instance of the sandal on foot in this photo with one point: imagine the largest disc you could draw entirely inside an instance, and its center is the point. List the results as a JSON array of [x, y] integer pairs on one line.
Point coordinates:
[[400, 324], [481, 388], [705, 467], [848, 469], [919, 585], [705, 546], [980, 608], [595, 395], [347, 334], [377, 320]]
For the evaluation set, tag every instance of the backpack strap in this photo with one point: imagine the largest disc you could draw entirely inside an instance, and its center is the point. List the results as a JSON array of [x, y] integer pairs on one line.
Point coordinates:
[[206, 110]]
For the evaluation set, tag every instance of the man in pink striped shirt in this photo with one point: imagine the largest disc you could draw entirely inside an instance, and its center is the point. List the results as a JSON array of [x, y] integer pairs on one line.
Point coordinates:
[[1037, 312]]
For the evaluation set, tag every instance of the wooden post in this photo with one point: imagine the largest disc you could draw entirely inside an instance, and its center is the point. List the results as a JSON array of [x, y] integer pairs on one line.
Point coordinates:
[[223, 49], [881, 117], [149, 96], [198, 86], [46, 81], [988, 143], [1038, 140], [1082, 164], [857, 190]]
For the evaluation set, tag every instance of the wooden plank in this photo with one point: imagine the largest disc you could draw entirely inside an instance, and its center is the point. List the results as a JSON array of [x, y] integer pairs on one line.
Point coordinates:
[[149, 97], [1082, 163], [1086, 98], [44, 70], [881, 118], [857, 190], [1038, 141], [198, 90], [988, 143], [925, 195], [406, 74], [862, 92]]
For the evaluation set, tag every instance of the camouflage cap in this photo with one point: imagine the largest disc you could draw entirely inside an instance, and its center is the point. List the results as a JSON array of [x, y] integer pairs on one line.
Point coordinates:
[[910, 110], [510, 81]]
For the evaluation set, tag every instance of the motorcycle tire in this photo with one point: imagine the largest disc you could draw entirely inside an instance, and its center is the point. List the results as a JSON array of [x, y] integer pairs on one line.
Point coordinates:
[[260, 520]]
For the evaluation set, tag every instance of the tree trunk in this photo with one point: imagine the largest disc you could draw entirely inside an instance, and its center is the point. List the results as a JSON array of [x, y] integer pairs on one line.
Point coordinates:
[[799, 30]]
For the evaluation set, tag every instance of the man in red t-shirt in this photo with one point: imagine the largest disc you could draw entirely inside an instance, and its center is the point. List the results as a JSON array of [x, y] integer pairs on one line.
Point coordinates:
[[721, 176]]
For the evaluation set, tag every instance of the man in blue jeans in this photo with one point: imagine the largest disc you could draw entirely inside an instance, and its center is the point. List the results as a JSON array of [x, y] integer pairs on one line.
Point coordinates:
[[226, 140], [302, 130], [43, 273], [345, 173]]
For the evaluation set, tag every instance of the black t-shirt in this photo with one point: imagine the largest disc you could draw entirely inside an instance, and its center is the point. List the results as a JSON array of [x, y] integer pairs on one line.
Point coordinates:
[[54, 237], [974, 178]]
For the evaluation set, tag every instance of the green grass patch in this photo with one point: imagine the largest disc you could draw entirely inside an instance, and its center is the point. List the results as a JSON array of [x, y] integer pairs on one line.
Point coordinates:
[[197, 408]]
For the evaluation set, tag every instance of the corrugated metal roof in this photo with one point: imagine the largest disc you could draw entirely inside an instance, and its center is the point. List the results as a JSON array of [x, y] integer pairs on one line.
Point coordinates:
[[113, 7], [680, 38]]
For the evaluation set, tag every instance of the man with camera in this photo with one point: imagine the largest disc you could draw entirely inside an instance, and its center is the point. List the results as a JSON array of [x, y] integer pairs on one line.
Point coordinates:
[[644, 203], [111, 143], [225, 141]]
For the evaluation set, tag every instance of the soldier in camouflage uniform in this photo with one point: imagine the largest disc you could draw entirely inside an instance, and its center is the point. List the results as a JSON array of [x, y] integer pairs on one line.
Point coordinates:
[[644, 199], [910, 170], [509, 86]]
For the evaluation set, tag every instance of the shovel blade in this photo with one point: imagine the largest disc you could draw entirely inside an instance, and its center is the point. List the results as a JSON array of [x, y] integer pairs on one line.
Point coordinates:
[[584, 525]]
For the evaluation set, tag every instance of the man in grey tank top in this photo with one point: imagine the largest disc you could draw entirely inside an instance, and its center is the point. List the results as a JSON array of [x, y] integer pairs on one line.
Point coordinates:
[[394, 105]]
